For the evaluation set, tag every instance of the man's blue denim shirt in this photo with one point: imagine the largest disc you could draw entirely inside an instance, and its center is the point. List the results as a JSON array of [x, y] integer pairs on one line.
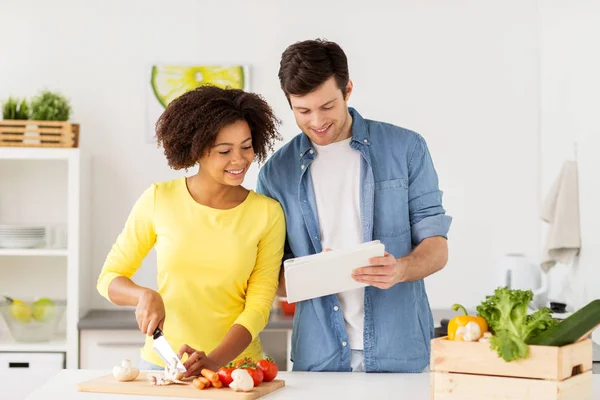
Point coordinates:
[[400, 205]]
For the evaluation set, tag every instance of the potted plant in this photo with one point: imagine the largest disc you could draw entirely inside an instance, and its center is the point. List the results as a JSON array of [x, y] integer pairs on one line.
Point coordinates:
[[50, 106], [13, 110], [44, 121]]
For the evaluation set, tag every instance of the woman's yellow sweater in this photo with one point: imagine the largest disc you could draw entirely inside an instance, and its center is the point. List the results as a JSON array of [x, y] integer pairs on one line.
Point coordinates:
[[215, 267]]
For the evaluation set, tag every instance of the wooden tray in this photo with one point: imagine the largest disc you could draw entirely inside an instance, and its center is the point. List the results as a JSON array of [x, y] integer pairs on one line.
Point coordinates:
[[29, 133], [471, 370], [108, 384]]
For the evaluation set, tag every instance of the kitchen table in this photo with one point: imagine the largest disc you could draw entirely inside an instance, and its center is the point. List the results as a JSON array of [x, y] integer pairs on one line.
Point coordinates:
[[299, 386]]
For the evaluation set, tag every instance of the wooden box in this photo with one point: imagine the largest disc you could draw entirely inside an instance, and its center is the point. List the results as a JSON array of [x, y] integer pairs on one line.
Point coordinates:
[[29, 133], [471, 370]]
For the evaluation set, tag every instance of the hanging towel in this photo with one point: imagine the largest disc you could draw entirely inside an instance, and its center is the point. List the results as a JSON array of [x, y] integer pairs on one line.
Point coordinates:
[[561, 211]]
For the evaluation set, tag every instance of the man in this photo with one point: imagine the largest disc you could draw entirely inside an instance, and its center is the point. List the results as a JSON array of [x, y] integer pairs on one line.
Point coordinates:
[[343, 181]]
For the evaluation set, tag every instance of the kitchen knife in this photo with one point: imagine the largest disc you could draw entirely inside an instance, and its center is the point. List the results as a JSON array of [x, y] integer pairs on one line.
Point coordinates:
[[164, 350]]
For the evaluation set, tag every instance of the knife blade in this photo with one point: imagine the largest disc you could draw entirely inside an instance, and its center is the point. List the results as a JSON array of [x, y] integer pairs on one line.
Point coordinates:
[[164, 350]]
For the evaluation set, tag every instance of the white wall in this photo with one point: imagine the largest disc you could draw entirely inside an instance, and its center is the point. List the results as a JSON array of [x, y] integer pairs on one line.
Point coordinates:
[[463, 74], [570, 109]]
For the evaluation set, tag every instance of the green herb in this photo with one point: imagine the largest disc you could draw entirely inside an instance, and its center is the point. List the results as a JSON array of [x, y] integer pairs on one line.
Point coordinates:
[[11, 109], [50, 106]]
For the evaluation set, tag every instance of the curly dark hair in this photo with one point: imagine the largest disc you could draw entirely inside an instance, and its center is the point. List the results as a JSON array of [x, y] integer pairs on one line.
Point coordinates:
[[304, 66], [190, 124]]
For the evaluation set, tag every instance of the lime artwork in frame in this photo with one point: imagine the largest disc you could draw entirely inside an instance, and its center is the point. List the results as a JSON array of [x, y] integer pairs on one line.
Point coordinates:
[[169, 81]]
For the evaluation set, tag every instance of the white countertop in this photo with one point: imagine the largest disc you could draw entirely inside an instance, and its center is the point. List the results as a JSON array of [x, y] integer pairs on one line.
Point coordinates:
[[299, 385]]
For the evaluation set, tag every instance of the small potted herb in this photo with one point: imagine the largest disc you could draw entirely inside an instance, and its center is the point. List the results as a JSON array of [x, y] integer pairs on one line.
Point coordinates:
[[13, 110], [50, 106]]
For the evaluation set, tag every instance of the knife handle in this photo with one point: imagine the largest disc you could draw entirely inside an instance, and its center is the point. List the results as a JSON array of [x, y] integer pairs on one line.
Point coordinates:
[[157, 333]]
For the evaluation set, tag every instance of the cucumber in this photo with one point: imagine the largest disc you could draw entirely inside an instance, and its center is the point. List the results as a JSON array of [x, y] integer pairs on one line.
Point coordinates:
[[571, 328]]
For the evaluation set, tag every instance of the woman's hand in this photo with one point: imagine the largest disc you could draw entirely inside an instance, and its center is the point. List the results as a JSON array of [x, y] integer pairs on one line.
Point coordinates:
[[150, 312], [196, 362]]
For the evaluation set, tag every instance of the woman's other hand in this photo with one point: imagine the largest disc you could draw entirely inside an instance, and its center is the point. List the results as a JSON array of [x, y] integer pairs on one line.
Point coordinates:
[[150, 312], [196, 362]]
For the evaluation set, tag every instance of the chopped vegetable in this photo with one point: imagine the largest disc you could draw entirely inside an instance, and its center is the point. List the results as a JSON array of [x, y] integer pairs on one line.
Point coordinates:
[[466, 327], [206, 382], [506, 314], [171, 371], [170, 375], [199, 384], [210, 375]]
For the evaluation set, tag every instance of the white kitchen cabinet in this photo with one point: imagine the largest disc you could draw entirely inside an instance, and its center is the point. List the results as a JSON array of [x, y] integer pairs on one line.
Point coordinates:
[[31, 361], [47, 186], [103, 349], [22, 373]]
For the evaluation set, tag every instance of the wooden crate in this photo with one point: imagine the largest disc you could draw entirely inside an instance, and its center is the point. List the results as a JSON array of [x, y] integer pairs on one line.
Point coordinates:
[[21, 133], [470, 370]]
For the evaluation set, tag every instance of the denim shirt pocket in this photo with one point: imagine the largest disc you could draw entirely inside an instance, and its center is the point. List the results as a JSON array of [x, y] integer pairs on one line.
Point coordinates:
[[390, 216]]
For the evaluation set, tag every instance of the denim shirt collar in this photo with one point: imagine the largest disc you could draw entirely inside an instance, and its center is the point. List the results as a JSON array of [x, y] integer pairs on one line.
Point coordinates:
[[360, 133]]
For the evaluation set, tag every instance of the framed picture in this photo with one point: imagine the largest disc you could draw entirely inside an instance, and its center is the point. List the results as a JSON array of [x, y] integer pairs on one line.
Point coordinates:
[[168, 81]]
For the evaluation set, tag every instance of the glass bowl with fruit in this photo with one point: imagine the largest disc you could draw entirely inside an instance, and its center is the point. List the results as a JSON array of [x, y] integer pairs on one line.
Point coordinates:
[[32, 320]]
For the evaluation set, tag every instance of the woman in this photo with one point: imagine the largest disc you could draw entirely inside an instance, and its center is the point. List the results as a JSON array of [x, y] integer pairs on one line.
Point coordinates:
[[219, 246]]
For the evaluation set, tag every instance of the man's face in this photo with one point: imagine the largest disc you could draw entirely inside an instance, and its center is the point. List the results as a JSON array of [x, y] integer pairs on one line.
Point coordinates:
[[323, 113]]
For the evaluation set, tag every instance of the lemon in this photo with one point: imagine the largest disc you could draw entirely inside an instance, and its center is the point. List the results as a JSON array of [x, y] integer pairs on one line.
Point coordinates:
[[171, 81], [43, 310], [20, 311]]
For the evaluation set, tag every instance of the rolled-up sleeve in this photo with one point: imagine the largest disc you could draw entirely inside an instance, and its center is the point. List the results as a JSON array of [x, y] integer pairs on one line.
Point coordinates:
[[264, 279], [427, 215]]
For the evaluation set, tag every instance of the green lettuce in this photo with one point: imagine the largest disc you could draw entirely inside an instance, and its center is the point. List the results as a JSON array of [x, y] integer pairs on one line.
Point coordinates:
[[508, 321]]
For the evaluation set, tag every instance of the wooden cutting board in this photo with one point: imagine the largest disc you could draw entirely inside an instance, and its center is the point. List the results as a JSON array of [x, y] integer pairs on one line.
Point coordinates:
[[108, 384]]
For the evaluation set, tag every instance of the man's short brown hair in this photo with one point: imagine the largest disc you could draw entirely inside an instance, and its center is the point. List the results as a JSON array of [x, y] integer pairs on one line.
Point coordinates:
[[307, 65]]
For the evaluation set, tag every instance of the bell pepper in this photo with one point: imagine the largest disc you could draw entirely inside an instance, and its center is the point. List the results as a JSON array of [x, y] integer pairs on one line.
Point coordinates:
[[466, 327]]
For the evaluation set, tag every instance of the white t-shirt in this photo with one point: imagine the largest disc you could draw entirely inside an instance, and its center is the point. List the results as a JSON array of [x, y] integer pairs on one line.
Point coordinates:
[[335, 174]]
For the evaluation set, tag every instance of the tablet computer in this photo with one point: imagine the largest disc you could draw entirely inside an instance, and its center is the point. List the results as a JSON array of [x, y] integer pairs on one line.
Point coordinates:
[[329, 272]]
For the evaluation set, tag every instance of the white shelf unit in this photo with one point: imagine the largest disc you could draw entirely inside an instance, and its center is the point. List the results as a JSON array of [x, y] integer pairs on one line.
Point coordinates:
[[75, 256], [35, 252], [58, 344]]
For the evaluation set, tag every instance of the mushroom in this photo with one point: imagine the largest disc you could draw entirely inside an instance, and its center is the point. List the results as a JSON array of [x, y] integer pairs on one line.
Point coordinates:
[[171, 375], [486, 337], [242, 381], [158, 380], [470, 332], [125, 372], [171, 371]]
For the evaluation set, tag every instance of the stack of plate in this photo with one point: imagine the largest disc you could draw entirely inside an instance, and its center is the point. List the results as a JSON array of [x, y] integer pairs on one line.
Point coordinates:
[[21, 236]]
